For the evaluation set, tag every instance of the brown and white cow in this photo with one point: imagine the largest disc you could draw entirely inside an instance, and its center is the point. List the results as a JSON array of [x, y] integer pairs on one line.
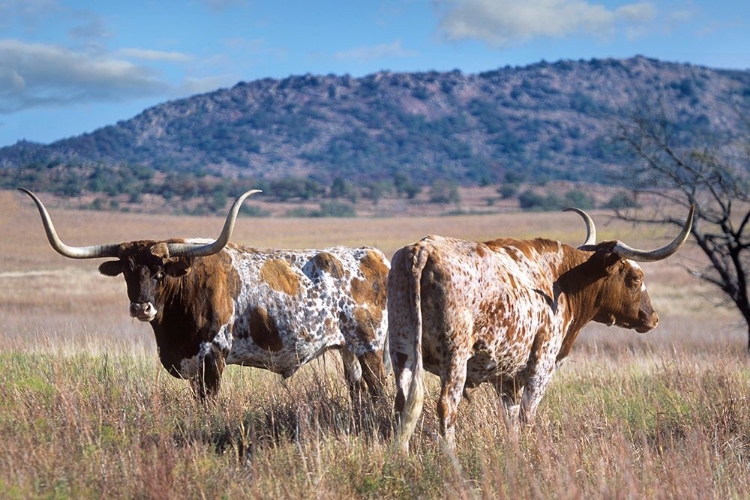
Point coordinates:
[[505, 312], [213, 303]]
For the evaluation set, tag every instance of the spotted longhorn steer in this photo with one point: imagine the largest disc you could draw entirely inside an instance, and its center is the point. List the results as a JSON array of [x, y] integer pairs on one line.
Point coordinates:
[[506, 312], [216, 303]]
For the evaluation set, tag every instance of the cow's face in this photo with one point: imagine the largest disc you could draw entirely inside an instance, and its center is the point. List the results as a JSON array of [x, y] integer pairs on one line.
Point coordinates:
[[146, 267], [623, 299]]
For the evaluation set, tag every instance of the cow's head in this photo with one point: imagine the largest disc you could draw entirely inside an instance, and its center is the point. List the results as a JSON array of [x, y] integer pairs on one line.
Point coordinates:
[[146, 265], [620, 297]]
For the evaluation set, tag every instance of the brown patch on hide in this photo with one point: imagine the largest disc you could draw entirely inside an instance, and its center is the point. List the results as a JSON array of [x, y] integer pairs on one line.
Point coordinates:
[[264, 331], [371, 289], [367, 323], [277, 274], [329, 264], [225, 283], [527, 248]]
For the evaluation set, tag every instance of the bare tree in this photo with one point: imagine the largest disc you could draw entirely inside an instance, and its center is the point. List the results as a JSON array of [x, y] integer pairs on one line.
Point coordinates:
[[715, 176]]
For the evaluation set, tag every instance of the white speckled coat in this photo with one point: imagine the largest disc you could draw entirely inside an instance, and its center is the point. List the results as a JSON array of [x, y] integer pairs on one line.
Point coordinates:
[[272, 309], [294, 305], [504, 311]]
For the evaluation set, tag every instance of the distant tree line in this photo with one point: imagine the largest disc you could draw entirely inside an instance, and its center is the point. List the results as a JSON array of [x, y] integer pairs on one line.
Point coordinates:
[[129, 183]]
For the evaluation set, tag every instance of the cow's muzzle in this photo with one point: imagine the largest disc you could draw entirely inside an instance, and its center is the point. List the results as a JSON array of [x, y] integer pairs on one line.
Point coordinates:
[[143, 311], [647, 323]]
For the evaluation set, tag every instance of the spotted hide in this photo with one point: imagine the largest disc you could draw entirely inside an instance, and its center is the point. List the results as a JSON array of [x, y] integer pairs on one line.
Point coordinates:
[[506, 312], [213, 303]]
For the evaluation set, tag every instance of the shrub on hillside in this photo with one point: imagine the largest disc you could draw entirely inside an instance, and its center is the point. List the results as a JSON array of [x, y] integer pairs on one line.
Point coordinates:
[[444, 192], [622, 200], [533, 201]]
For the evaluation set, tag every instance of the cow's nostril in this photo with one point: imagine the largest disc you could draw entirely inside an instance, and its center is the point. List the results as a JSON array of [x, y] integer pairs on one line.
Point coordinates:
[[142, 310]]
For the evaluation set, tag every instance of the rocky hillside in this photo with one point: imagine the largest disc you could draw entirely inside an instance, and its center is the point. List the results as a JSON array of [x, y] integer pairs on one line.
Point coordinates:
[[551, 121]]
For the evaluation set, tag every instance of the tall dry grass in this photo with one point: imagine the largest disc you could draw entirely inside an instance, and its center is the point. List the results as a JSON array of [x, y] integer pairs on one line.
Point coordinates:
[[668, 424], [87, 411]]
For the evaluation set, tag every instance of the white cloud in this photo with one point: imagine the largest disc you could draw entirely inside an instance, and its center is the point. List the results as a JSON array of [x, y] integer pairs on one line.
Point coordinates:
[[153, 55], [681, 16], [636, 12], [91, 27], [33, 75], [706, 24], [373, 52], [636, 19], [505, 23]]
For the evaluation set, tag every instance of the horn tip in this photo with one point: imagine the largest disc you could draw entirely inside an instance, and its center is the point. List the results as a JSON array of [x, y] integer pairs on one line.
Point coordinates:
[[690, 216]]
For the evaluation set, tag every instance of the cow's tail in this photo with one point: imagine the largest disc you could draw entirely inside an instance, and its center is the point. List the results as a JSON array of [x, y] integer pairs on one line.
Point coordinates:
[[387, 365], [414, 397]]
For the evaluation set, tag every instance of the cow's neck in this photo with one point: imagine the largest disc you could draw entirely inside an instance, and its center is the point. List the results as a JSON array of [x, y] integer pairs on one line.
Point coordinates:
[[581, 282], [199, 302]]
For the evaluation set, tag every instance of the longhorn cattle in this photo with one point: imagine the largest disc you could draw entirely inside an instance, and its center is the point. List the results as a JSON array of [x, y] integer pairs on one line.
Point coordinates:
[[506, 312], [213, 303]]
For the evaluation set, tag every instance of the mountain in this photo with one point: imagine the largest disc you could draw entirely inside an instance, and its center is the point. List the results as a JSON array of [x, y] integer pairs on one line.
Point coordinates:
[[551, 121]]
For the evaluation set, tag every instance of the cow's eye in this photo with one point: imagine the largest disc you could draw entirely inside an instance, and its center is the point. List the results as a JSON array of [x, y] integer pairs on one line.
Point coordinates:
[[159, 274]]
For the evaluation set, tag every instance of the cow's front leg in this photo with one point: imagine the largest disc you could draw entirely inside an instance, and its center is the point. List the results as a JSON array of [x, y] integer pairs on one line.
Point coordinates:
[[538, 375], [452, 386], [353, 377], [373, 372], [207, 378]]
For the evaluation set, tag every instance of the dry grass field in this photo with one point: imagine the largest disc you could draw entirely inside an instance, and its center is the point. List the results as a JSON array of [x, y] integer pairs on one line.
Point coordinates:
[[88, 412]]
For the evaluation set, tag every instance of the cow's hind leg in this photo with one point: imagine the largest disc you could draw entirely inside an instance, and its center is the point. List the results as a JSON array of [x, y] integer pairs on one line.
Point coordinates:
[[509, 391], [452, 387], [374, 373]]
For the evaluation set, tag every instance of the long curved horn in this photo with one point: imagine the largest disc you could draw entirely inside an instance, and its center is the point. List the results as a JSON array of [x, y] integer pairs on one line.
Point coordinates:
[[628, 252], [192, 250], [590, 226], [89, 252]]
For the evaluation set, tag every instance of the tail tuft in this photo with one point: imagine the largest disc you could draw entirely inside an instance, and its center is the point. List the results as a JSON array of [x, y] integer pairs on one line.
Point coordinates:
[[414, 398]]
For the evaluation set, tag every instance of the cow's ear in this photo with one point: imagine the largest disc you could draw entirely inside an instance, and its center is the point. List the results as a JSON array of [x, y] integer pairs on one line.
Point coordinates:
[[177, 268], [111, 268], [610, 259], [604, 255]]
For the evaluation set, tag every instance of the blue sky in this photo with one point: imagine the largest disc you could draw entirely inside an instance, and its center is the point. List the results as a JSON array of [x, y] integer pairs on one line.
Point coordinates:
[[69, 67]]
